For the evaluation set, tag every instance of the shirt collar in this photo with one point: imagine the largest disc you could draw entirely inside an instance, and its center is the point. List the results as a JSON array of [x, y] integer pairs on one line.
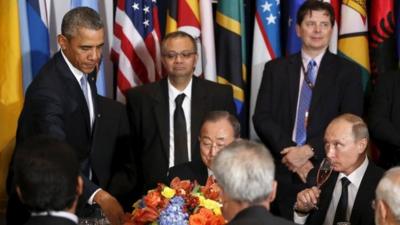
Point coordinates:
[[356, 176], [173, 92], [76, 72], [63, 214], [306, 58]]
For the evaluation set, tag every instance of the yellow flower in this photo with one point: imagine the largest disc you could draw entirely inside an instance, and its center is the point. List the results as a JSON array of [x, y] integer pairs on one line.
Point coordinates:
[[168, 192], [217, 211]]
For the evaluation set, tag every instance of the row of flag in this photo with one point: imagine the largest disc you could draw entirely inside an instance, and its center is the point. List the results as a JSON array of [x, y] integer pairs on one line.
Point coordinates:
[[366, 32]]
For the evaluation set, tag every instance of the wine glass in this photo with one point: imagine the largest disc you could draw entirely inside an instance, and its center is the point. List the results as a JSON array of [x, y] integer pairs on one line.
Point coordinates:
[[324, 171]]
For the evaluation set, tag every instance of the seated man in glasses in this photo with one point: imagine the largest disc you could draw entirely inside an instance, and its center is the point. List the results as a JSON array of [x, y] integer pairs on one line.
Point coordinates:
[[219, 129], [387, 201], [344, 197]]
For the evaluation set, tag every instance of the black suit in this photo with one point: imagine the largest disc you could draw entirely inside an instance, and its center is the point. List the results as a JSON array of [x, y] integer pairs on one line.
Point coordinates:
[[49, 220], [337, 90], [194, 170], [148, 111], [362, 212], [257, 215], [384, 118], [55, 105]]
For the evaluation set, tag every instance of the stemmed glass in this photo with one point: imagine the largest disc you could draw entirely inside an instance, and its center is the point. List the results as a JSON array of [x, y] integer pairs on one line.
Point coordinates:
[[324, 171]]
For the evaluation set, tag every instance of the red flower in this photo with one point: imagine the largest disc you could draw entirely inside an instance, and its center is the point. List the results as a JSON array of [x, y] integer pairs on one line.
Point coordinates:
[[144, 216], [211, 190], [182, 187]]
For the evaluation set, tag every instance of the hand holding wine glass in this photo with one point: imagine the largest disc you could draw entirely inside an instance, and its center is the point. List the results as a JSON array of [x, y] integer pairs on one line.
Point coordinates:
[[307, 199]]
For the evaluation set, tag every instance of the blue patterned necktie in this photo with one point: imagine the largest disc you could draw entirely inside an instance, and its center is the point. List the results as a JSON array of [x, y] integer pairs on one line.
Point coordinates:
[[304, 102], [84, 88]]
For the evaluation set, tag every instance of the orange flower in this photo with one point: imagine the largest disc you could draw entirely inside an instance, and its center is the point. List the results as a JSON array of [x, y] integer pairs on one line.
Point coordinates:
[[197, 219], [144, 216], [207, 213], [216, 220], [180, 185], [152, 199], [211, 190]]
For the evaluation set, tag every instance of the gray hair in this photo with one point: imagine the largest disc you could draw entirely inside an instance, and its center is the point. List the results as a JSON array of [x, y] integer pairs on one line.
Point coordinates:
[[388, 190], [359, 127], [245, 170], [214, 116], [80, 17]]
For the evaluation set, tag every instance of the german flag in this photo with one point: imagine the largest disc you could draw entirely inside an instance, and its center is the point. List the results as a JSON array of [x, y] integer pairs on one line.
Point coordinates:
[[231, 52]]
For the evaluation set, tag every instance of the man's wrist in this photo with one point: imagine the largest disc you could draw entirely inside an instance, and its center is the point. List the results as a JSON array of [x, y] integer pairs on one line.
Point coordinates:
[[300, 212]]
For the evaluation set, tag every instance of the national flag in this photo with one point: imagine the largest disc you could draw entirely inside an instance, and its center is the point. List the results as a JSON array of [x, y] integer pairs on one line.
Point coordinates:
[[382, 37], [266, 46], [207, 40], [231, 53], [334, 38], [353, 36], [11, 93], [293, 42], [100, 80], [184, 15], [38, 25], [136, 45]]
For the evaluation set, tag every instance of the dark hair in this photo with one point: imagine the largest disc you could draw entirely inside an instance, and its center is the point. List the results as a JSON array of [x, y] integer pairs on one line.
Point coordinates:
[[315, 5], [46, 173], [178, 34], [214, 116], [80, 17]]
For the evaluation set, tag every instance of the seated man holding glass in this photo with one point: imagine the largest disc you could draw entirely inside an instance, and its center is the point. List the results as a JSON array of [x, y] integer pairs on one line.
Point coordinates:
[[219, 128], [347, 193]]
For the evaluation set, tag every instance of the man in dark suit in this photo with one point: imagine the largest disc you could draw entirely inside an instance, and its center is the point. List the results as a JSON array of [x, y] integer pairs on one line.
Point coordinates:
[[384, 119], [387, 201], [166, 116], [245, 172], [219, 128], [347, 194], [48, 180], [298, 97], [62, 101]]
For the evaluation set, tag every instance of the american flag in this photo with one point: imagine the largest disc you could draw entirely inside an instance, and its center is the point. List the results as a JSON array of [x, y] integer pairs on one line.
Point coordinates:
[[136, 45]]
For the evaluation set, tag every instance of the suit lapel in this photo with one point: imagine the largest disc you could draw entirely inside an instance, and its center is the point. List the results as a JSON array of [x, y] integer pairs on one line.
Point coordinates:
[[325, 79], [199, 101], [294, 80], [74, 89], [367, 188], [161, 111]]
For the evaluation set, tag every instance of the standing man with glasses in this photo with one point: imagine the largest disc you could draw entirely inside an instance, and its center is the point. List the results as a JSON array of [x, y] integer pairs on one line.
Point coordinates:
[[348, 192], [298, 97], [165, 116]]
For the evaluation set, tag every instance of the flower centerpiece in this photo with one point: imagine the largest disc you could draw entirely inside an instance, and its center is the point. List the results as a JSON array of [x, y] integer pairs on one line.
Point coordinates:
[[182, 203]]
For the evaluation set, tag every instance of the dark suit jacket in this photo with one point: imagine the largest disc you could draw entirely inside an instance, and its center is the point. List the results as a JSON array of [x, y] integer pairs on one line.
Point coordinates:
[[384, 119], [148, 111], [49, 220], [337, 90], [194, 170], [55, 105], [362, 213], [258, 215]]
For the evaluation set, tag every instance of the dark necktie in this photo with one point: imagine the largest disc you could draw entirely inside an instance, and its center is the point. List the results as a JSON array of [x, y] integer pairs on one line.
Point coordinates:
[[341, 209], [180, 135], [304, 102]]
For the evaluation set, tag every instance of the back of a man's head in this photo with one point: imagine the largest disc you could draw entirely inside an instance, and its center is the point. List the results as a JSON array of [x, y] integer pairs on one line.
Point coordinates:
[[245, 170], [388, 191], [46, 174]]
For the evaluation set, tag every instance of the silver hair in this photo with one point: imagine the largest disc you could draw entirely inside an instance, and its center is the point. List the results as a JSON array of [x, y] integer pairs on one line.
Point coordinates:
[[245, 170], [388, 190], [80, 17]]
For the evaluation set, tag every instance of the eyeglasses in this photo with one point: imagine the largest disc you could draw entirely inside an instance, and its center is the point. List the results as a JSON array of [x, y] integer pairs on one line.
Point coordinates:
[[208, 143], [174, 55]]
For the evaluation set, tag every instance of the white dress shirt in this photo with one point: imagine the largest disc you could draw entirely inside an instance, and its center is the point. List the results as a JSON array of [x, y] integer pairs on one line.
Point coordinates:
[[355, 178], [305, 59], [186, 105], [63, 214], [78, 75]]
